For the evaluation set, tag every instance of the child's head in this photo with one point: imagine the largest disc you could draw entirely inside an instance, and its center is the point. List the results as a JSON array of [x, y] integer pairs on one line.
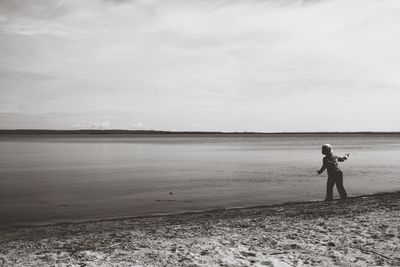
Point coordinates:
[[326, 149]]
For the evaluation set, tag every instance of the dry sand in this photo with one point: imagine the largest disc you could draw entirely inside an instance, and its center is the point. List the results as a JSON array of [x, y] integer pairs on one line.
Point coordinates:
[[364, 231]]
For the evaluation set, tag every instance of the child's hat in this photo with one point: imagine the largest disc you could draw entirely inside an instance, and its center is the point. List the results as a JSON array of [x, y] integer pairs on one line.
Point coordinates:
[[328, 147]]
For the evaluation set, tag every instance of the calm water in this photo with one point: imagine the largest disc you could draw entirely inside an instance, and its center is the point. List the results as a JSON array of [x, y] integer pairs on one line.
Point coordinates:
[[68, 178]]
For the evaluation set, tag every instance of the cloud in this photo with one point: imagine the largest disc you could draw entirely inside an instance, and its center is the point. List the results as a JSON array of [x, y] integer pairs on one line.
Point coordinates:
[[138, 126], [229, 65], [24, 75], [101, 125]]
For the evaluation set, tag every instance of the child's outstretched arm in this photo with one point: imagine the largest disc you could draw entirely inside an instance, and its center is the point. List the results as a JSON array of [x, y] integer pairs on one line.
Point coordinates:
[[341, 159], [323, 166]]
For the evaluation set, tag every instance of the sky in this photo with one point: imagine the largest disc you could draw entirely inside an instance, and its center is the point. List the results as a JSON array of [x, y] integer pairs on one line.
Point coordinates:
[[200, 65]]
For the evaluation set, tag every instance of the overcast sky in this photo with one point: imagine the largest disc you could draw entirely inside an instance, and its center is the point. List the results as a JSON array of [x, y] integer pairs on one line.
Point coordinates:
[[216, 65]]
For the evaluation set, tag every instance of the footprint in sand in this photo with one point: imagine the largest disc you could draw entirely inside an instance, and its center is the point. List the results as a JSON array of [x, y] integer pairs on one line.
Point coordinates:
[[273, 262]]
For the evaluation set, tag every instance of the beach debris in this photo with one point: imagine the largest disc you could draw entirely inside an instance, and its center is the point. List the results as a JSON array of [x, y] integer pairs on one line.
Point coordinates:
[[204, 252], [331, 244], [248, 254]]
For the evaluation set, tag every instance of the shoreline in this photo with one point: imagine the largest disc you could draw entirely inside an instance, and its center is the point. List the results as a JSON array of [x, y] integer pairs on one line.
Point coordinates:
[[361, 231], [156, 215]]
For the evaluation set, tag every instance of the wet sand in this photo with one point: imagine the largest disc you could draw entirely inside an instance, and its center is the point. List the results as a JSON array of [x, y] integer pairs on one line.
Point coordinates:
[[363, 231]]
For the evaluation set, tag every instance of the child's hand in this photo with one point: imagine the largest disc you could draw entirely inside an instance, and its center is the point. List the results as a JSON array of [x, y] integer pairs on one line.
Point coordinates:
[[319, 172]]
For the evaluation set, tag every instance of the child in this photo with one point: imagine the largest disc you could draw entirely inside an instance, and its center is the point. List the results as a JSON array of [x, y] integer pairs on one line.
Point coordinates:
[[335, 175]]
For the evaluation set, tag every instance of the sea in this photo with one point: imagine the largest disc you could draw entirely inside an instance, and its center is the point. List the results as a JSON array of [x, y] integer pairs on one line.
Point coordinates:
[[50, 178]]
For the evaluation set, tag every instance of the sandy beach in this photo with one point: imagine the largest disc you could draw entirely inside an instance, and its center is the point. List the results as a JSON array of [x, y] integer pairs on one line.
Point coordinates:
[[363, 231]]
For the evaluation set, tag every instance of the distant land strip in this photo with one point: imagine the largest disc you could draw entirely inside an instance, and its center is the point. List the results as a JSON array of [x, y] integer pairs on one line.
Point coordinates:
[[156, 132]]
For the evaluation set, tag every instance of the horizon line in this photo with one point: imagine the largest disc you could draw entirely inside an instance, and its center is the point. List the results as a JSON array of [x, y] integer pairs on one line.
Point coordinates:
[[124, 131]]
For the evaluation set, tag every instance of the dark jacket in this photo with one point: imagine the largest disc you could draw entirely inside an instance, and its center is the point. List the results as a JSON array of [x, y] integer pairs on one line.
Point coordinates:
[[330, 163]]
